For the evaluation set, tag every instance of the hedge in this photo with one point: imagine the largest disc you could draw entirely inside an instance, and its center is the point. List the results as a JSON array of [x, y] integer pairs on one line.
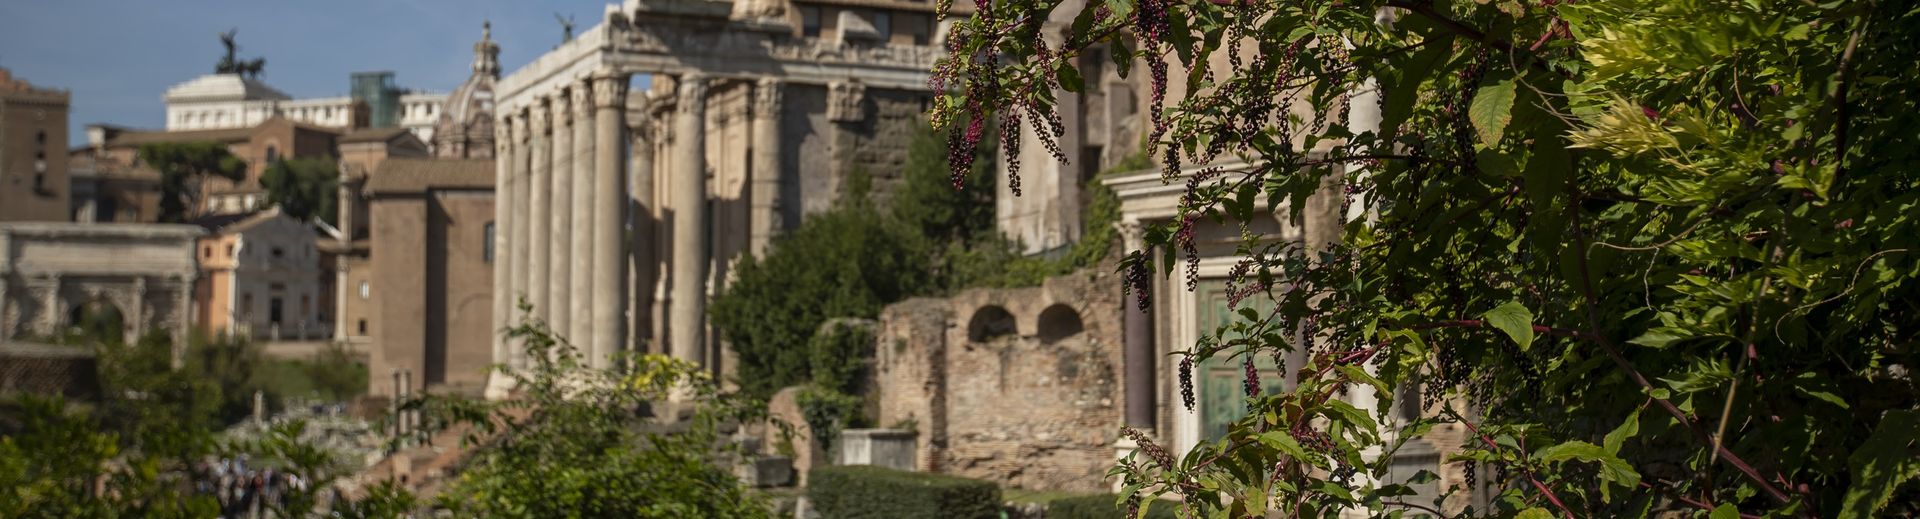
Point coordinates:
[[868, 492], [1101, 506]]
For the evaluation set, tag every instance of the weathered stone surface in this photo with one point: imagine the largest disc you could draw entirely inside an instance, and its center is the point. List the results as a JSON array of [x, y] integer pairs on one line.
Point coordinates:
[[1017, 386]]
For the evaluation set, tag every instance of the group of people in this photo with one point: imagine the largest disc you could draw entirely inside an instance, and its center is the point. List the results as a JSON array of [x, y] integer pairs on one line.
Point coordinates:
[[245, 491]]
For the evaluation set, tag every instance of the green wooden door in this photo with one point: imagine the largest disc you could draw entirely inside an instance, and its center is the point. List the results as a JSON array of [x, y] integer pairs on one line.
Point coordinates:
[[1221, 380]]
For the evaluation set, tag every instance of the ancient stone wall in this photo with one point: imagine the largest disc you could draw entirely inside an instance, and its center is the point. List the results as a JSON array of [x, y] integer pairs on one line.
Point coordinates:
[[47, 370], [1018, 386]]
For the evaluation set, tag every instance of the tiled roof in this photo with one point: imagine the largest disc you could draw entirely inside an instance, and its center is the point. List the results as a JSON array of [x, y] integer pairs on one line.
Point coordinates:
[[372, 135], [411, 175], [134, 138]]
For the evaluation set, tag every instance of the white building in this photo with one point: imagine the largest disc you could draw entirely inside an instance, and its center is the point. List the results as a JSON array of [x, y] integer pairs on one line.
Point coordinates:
[[259, 276], [219, 101]]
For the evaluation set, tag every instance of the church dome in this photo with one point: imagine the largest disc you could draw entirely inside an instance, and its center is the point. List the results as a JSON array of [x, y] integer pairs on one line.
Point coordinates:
[[465, 129]]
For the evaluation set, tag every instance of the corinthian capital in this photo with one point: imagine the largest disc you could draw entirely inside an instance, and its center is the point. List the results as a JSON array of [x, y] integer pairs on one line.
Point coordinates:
[[767, 97], [610, 90], [519, 123], [692, 95], [581, 94], [541, 117]]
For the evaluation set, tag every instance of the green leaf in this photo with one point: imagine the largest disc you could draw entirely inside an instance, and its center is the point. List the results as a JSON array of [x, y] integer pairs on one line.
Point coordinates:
[[1491, 111], [1724, 511], [1070, 78], [1619, 436], [1887, 459], [1534, 513], [1515, 320], [1612, 468], [1284, 442]]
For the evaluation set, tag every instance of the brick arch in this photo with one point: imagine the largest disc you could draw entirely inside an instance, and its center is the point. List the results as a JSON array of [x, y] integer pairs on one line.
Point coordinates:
[[1057, 322], [991, 322]]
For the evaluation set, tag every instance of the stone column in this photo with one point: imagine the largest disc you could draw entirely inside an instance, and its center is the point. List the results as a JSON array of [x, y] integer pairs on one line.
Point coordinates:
[[641, 241], [560, 222], [503, 195], [609, 217], [539, 207], [136, 313], [51, 307], [6, 303], [686, 320], [344, 207], [580, 243], [1139, 352], [182, 317], [764, 217], [517, 218]]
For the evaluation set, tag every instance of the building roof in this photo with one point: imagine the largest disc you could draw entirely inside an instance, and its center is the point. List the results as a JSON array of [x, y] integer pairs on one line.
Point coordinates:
[[373, 135], [415, 175], [136, 138], [223, 87], [235, 222]]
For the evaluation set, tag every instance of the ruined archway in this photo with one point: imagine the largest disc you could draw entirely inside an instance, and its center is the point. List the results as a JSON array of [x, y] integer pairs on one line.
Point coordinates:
[[97, 321], [1059, 322], [990, 322]]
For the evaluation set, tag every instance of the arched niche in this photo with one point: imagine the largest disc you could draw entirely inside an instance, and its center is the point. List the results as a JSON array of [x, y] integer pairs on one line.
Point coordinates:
[[990, 322], [1059, 322]]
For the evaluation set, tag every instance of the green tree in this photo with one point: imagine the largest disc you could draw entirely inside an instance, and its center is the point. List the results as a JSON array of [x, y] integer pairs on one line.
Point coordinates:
[[183, 166], [576, 441], [1652, 255], [303, 187]]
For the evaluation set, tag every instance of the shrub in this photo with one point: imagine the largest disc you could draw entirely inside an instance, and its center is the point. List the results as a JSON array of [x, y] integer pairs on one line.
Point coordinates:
[[1101, 506], [861, 492]]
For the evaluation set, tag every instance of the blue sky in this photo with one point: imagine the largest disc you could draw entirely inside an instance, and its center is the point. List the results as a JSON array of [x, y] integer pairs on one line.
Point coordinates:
[[118, 57]]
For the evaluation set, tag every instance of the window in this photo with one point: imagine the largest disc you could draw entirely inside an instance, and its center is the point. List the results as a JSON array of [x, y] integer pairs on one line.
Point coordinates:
[[278, 252], [883, 24], [274, 311], [365, 289], [486, 245], [810, 20], [229, 250], [273, 154], [363, 327], [206, 252]]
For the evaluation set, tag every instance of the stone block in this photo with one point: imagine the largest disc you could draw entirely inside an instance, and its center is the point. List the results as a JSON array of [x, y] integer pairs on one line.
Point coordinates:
[[765, 471], [891, 448]]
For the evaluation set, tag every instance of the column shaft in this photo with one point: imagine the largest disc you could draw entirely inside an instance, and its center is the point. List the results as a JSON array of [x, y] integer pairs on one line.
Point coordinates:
[[765, 195], [560, 221], [641, 242], [687, 303], [502, 271], [539, 207], [580, 242], [609, 217], [517, 242], [1139, 351]]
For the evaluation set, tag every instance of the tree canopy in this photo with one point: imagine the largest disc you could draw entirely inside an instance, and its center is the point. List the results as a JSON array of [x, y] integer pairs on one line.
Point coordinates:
[[303, 187], [182, 167], [1647, 255]]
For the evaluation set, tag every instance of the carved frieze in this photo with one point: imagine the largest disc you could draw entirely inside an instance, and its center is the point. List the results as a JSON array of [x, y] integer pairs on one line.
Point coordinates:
[[686, 42]]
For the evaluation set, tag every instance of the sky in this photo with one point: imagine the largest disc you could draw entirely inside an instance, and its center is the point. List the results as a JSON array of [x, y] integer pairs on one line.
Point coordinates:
[[118, 57]]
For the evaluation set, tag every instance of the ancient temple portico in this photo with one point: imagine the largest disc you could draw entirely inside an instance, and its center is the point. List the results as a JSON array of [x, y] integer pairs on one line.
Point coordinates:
[[624, 209]]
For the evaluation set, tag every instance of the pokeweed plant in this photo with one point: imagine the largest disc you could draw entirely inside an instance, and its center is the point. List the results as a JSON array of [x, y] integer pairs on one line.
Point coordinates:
[[1650, 255]]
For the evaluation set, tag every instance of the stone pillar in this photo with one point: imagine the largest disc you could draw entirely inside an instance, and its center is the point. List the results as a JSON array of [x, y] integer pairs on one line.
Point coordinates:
[[181, 317], [539, 207], [51, 306], [136, 313], [517, 217], [503, 195], [764, 217], [1139, 352], [560, 220], [642, 236], [343, 195], [580, 242], [609, 217], [686, 320], [6, 303]]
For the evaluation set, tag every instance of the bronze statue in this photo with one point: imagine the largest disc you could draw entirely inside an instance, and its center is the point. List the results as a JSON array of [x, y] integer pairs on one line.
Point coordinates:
[[230, 65]]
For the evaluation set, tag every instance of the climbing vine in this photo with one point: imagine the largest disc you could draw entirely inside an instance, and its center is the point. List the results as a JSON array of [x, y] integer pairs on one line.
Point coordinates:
[[1648, 255]]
